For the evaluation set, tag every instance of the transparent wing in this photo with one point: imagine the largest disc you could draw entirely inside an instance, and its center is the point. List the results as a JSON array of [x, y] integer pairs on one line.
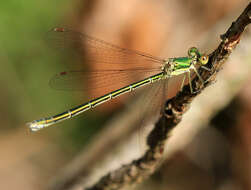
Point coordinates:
[[101, 52], [151, 105], [156, 98], [98, 82], [112, 67]]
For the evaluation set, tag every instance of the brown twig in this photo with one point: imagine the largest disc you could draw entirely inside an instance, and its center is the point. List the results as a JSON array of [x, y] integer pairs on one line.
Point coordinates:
[[175, 108]]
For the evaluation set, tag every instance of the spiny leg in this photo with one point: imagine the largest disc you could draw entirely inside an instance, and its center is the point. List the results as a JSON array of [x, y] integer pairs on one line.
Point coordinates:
[[183, 81], [190, 82], [207, 69], [202, 81]]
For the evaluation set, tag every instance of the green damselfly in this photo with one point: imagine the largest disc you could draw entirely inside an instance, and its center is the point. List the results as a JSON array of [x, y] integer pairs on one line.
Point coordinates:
[[135, 61]]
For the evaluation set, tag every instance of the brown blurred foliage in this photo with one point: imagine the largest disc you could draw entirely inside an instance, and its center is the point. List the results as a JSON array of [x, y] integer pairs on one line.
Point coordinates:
[[218, 158]]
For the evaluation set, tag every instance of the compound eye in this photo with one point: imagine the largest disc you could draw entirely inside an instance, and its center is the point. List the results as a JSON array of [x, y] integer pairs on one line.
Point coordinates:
[[204, 59], [193, 52]]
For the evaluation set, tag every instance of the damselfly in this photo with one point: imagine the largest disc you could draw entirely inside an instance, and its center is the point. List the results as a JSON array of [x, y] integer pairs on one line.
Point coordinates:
[[165, 69]]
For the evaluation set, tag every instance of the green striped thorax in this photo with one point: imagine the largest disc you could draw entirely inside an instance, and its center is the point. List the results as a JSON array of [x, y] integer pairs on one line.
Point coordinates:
[[179, 65]]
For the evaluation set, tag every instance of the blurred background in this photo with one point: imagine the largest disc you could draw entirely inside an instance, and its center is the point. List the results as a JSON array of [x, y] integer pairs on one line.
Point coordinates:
[[218, 154]]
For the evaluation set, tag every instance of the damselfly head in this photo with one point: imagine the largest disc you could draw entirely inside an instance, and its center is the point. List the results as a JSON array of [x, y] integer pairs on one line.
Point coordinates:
[[204, 59]]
